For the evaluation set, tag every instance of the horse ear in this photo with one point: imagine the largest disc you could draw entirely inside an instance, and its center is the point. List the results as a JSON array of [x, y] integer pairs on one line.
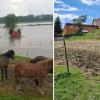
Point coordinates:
[[50, 62]]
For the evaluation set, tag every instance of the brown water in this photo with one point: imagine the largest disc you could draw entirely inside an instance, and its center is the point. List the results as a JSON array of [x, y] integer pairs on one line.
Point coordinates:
[[35, 40]]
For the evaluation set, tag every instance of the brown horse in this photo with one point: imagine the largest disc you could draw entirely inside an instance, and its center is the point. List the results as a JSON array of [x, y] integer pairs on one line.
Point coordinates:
[[35, 60], [38, 71]]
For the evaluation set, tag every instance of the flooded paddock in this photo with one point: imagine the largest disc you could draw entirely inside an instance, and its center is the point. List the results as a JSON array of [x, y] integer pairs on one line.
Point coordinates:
[[35, 40]]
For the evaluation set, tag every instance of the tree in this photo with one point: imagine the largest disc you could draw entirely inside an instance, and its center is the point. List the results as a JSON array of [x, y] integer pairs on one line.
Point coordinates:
[[10, 22], [57, 26], [79, 21]]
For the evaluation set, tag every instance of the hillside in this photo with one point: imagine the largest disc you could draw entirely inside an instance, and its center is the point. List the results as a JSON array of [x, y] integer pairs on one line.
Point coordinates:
[[94, 35]]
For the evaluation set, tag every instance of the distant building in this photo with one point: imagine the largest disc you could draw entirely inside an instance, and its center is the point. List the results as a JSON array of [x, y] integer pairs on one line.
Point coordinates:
[[96, 22], [15, 34], [70, 28]]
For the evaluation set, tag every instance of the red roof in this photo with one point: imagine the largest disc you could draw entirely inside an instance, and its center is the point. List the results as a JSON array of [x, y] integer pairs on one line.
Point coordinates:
[[15, 34]]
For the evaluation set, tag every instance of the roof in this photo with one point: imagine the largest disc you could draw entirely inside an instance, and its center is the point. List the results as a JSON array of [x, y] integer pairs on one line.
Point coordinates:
[[96, 22], [82, 24]]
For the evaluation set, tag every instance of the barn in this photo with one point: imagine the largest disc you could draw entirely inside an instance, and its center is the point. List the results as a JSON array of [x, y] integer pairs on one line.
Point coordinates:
[[70, 28]]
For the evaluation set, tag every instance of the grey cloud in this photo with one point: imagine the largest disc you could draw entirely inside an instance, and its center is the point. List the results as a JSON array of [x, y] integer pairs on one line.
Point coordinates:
[[25, 7]]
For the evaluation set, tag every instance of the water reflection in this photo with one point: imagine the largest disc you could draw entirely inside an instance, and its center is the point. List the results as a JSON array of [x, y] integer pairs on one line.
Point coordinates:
[[14, 42]]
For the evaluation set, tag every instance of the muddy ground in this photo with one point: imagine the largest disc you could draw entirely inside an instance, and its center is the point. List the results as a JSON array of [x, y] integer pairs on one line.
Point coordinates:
[[82, 54]]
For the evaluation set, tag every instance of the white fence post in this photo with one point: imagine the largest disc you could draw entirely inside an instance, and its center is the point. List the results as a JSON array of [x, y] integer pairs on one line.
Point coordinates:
[[27, 52]]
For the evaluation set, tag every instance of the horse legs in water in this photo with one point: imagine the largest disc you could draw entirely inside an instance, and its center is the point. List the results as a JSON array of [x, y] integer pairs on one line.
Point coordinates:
[[6, 74]]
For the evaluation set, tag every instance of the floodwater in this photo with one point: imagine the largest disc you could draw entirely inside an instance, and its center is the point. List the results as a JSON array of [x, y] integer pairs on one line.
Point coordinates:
[[35, 40]]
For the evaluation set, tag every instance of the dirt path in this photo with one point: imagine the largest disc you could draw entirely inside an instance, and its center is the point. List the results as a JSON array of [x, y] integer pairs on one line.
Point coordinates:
[[87, 45]]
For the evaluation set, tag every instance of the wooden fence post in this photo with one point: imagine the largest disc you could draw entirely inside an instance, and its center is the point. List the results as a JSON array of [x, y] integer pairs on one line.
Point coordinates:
[[66, 56]]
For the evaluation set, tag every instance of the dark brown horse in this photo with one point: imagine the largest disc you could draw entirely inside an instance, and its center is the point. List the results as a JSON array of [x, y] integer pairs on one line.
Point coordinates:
[[4, 61], [38, 58], [38, 71]]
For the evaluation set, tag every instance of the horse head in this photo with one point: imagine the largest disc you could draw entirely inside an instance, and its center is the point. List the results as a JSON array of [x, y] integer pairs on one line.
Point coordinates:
[[50, 65], [10, 54]]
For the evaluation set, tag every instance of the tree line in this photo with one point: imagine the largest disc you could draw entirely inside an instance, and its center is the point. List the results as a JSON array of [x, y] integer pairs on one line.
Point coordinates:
[[31, 18]]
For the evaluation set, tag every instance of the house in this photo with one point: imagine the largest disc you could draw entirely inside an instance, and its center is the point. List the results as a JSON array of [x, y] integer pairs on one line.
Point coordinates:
[[96, 22], [15, 34], [70, 28]]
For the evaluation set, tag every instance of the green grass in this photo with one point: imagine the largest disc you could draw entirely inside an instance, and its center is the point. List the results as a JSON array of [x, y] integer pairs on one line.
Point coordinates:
[[24, 98], [75, 86], [21, 58], [94, 35]]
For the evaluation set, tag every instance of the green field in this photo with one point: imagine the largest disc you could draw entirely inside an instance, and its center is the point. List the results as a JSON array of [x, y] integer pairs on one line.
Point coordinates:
[[8, 88], [25, 98], [21, 58], [75, 86]]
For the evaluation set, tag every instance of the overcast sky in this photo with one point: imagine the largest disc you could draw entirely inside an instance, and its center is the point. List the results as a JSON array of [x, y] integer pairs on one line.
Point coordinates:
[[25, 7]]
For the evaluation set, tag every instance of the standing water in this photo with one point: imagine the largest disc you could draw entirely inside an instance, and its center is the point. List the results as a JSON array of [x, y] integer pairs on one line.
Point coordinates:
[[36, 40]]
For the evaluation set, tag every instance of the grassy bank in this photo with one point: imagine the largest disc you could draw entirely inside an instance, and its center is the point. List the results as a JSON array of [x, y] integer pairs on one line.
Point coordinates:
[[94, 35], [75, 86]]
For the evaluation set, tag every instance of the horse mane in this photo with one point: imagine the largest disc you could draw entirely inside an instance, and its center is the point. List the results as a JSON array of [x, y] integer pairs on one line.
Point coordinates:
[[37, 59]]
